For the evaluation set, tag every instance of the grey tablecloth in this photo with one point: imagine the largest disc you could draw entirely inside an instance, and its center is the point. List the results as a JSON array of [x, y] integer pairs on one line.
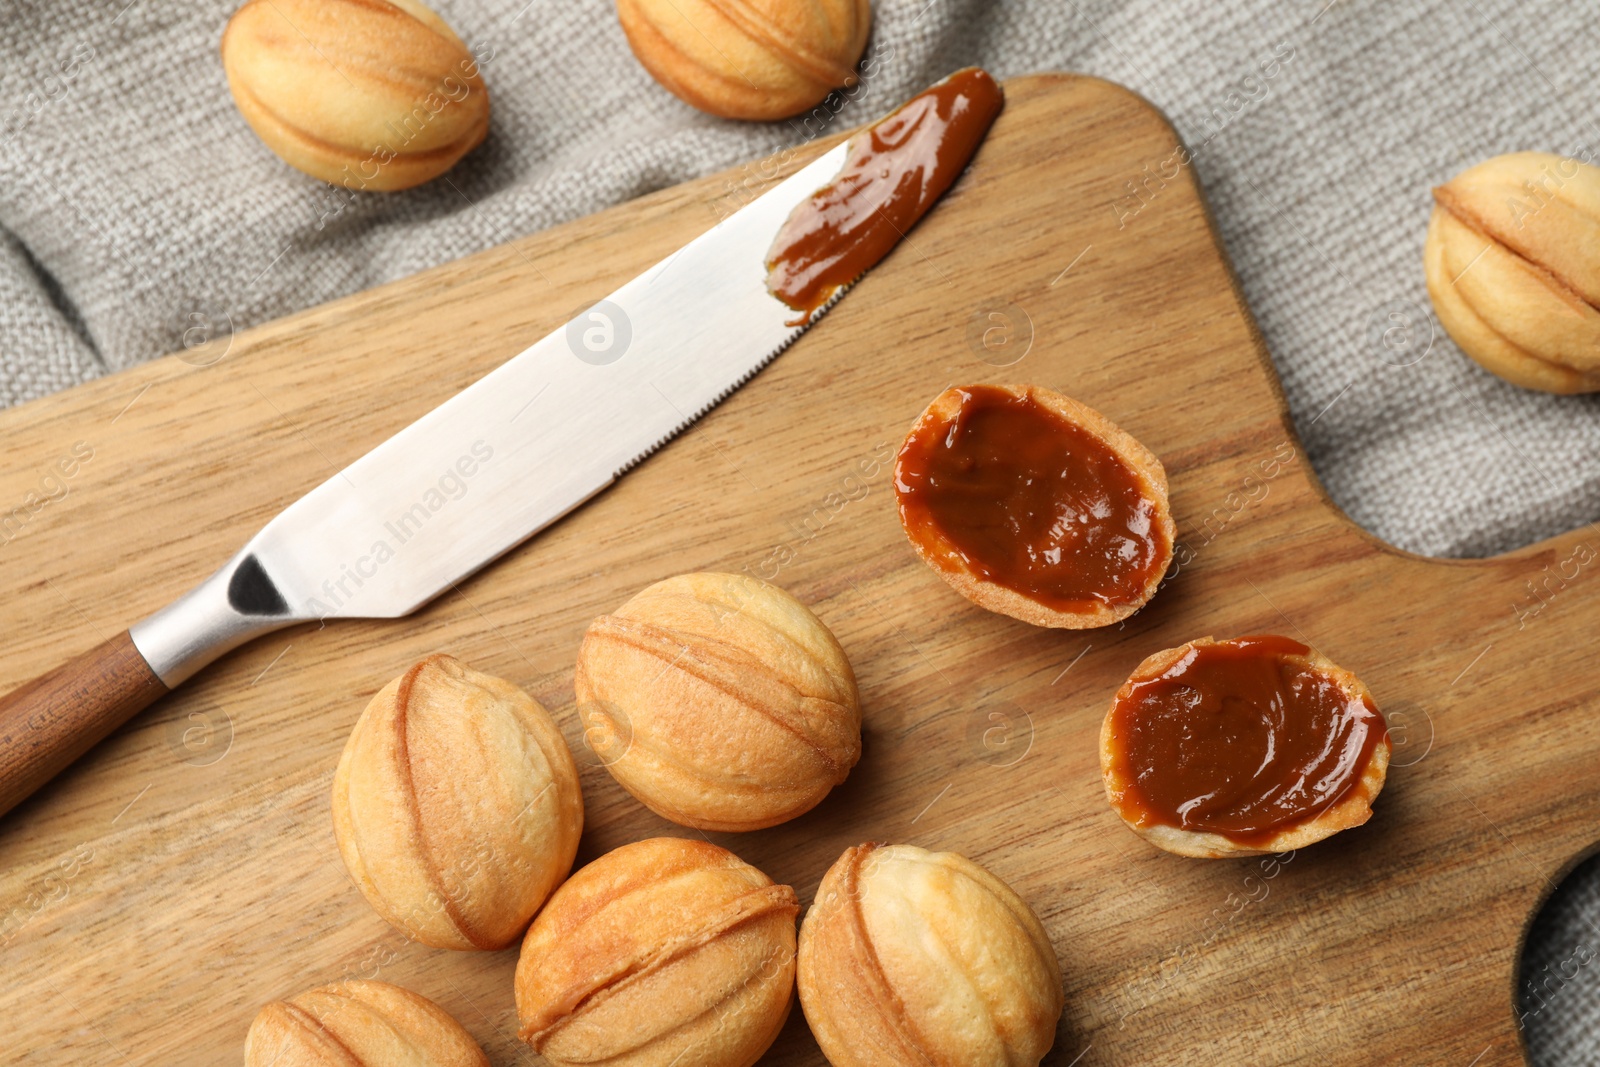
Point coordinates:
[[135, 204]]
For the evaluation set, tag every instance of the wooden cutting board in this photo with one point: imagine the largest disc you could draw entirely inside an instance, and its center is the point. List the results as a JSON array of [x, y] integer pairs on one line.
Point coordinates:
[[185, 872]]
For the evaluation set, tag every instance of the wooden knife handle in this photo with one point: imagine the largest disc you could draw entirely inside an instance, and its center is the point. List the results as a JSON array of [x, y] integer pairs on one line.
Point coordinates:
[[57, 717]]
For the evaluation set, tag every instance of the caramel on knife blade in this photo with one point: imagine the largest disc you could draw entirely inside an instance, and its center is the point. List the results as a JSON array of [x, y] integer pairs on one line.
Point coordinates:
[[894, 172]]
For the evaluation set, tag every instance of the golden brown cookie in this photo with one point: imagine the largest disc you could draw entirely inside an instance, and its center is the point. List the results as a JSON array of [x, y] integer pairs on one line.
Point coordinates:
[[910, 958], [728, 704], [368, 94], [661, 952], [1513, 268], [748, 59], [456, 806], [359, 1024]]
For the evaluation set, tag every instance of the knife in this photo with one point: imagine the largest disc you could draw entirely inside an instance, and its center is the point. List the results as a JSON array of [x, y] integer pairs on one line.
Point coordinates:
[[535, 437], [501, 460]]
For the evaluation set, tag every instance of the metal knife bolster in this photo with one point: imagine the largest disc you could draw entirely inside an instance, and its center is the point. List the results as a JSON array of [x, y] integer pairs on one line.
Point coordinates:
[[510, 454], [205, 623]]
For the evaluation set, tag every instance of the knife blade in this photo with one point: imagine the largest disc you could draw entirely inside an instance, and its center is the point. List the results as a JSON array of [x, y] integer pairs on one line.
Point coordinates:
[[528, 442], [499, 461]]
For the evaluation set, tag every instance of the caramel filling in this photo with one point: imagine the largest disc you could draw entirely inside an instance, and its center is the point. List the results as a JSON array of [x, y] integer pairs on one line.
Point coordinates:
[[892, 174], [1014, 494], [1241, 738]]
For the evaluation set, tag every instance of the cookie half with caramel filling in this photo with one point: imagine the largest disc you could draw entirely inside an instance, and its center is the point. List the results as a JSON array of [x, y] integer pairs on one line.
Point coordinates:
[[1035, 506], [1242, 747]]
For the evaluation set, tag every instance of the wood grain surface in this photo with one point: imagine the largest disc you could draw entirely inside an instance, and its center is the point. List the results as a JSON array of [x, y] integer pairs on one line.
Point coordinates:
[[185, 872]]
